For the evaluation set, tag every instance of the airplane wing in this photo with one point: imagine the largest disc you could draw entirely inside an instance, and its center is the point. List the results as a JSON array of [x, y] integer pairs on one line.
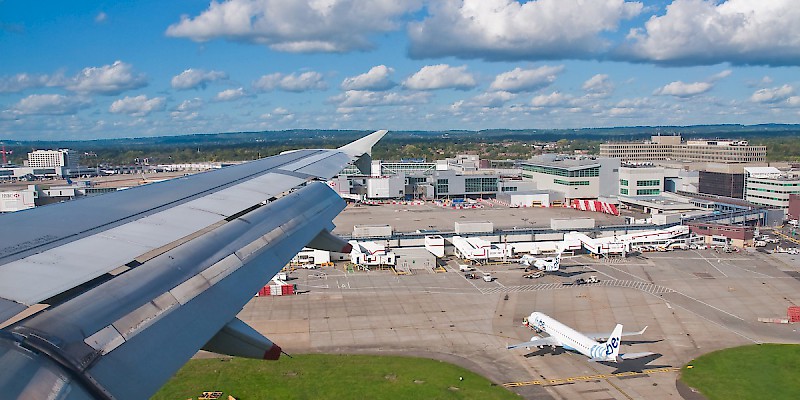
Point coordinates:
[[548, 341], [604, 336], [108, 296]]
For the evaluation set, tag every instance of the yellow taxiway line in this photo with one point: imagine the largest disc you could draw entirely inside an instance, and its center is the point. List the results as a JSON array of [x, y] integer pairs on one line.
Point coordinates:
[[548, 382]]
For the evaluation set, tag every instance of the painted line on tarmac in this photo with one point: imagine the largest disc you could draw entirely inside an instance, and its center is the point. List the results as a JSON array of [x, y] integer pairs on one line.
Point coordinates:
[[585, 378]]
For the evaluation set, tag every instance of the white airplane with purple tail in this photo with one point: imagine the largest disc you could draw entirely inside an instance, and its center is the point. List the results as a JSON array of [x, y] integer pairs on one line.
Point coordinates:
[[586, 344]]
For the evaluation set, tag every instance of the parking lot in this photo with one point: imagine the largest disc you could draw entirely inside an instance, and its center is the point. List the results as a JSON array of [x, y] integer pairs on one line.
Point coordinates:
[[693, 302]]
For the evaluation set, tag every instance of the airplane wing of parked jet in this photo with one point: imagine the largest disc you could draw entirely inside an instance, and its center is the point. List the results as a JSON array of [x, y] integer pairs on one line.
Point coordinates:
[[107, 297]]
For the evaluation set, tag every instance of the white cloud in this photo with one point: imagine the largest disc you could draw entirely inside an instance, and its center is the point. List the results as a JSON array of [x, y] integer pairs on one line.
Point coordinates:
[[377, 78], [196, 78], [704, 32], [230, 94], [50, 104], [683, 89], [721, 75], [360, 98], [138, 106], [23, 81], [293, 82], [555, 99], [190, 104], [510, 30], [107, 80], [101, 17], [441, 76], [493, 99], [772, 95], [526, 80], [598, 86], [296, 26]]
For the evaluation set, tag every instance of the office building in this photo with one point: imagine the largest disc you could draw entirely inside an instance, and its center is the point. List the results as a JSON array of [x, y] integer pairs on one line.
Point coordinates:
[[661, 148]]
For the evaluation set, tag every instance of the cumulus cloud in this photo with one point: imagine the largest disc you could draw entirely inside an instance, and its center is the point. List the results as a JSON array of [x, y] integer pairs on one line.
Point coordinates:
[[441, 76], [230, 94], [555, 99], [361, 98], [526, 80], [510, 30], [138, 106], [493, 99], [23, 81], [50, 104], [772, 95], [683, 89], [598, 86], [296, 26], [196, 78], [107, 80], [294, 82], [377, 78], [705, 32]]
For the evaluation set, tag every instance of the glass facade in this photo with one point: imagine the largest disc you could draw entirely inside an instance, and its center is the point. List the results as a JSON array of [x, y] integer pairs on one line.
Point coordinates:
[[648, 192], [571, 183], [442, 186], [654, 182], [586, 172], [480, 185]]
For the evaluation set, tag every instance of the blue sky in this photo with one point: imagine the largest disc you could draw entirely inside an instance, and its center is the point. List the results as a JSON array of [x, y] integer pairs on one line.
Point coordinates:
[[102, 69]]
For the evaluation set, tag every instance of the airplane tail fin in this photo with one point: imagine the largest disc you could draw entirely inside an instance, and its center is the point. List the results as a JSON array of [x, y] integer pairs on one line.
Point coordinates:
[[613, 342]]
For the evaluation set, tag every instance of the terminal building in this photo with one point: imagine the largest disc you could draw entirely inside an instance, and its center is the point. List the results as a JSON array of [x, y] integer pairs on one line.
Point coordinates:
[[769, 186], [580, 177], [661, 148]]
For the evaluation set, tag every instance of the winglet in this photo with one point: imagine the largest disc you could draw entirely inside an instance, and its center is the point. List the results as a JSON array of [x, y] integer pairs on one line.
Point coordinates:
[[364, 145]]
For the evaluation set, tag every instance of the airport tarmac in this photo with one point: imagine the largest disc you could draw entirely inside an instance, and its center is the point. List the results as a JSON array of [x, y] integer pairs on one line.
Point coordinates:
[[693, 302], [428, 216]]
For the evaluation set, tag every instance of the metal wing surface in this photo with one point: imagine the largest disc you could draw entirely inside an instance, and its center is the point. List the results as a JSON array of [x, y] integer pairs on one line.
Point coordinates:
[[106, 297], [548, 341]]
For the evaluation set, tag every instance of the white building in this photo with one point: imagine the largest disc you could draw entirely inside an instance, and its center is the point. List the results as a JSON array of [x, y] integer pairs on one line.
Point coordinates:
[[641, 180], [52, 158], [477, 249], [386, 187], [576, 177], [371, 254], [17, 200], [769, 186]]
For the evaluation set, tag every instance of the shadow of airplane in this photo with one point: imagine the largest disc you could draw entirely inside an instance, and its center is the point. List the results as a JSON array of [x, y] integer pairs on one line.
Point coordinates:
[[546, 351], [635, 365]]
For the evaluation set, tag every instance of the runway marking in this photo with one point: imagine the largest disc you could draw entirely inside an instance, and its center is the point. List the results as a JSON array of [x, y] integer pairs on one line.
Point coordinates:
[[584, 378], [638, 285]]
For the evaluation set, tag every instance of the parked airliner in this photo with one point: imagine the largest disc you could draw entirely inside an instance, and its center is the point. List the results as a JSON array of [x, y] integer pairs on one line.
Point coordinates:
[[586, 344]]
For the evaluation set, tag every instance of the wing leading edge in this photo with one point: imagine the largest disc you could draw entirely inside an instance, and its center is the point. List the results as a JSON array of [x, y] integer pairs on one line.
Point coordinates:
[[124, 337]]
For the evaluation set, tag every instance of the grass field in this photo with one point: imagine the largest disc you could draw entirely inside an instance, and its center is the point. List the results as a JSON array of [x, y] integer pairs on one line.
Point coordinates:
[[767, 371], [320, 376]]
